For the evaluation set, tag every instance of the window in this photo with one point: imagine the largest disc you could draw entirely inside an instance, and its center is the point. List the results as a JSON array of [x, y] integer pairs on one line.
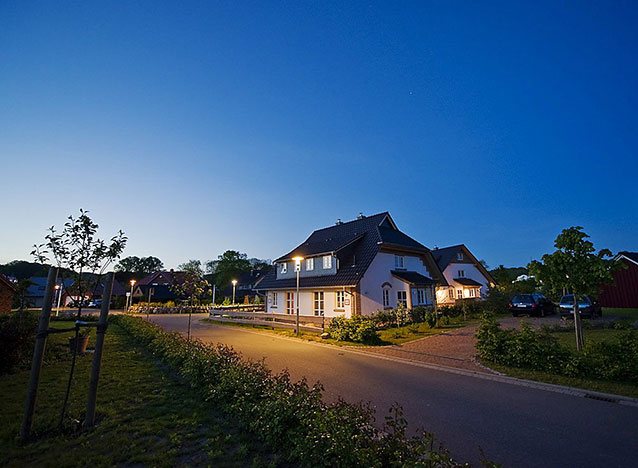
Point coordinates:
[[284, 267], [290, 303], [327, 262], [318, 303], [340, 299], [274, 299], [461, 274], [402, 298], [386, 297], [459, 256], [310, 264], [451, 293], [459, 294], [399, 261], [472, 292], [420, 296]]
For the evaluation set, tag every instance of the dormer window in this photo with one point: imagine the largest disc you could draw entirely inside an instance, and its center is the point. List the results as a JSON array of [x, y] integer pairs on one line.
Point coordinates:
[[284, 268], [310, 264], [399, 261], [327, 262], [459, 256], [461, 274]]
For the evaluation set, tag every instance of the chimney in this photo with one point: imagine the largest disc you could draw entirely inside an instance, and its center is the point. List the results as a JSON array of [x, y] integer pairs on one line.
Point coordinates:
[[360, 215], [339, 221]]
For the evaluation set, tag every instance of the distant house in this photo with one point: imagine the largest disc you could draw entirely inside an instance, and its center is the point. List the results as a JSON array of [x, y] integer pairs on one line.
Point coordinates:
[[466, 277], [623, 291], [7, 291], [352, 268], [157, 287], [246, 284], [35, 292]]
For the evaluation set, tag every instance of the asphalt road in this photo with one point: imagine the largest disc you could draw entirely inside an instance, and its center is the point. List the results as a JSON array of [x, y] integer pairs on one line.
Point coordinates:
[[514, 425]]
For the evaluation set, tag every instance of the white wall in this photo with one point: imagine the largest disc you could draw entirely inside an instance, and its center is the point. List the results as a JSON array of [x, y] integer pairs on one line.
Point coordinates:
[[379, 273], [306, 304], [471, 272]]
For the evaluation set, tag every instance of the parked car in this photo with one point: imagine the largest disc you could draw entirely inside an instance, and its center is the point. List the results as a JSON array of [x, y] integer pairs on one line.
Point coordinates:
[[587, 307], [531, 304], [95, 303]]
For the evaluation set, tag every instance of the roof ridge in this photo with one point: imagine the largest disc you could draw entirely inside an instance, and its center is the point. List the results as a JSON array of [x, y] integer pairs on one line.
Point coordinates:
[[343, 223]]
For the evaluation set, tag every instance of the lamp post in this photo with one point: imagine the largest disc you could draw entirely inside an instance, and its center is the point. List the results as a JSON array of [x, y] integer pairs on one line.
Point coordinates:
[[298, 261], [58, 293], [234, 284], [131, 297]]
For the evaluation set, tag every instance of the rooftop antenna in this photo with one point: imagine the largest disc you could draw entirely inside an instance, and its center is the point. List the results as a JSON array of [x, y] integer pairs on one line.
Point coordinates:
[[360, 215], [339, 221]]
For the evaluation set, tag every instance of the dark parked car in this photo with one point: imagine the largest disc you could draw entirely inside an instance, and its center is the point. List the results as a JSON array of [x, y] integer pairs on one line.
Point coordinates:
[[587, 307], [531, 304]]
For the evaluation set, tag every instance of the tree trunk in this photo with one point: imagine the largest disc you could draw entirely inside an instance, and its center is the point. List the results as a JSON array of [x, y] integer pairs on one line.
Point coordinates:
[[578, 326]]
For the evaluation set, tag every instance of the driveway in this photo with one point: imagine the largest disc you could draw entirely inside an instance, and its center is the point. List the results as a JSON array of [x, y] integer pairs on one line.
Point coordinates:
[[514, 425]]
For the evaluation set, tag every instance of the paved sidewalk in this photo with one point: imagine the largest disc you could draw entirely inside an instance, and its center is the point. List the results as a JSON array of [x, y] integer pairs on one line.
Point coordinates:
[[455, 348]]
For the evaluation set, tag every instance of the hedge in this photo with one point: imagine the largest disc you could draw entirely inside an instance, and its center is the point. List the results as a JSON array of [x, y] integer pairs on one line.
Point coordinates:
[[290, 417]]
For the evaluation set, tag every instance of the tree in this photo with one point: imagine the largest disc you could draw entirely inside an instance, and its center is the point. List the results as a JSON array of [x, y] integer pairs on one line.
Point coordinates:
[[576, 267], [190, 283], [229, 266], [140, 266]]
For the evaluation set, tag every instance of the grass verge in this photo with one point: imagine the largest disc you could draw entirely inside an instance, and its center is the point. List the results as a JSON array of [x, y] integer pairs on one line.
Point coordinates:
[[145, 416], [615, 388]]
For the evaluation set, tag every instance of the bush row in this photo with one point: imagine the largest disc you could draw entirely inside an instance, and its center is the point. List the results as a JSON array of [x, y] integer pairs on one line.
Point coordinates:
[[527, 348], [146, 308], [289, 416]]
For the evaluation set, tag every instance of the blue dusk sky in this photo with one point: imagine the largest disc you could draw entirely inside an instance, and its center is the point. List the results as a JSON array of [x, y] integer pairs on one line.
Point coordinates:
[[198, 127]]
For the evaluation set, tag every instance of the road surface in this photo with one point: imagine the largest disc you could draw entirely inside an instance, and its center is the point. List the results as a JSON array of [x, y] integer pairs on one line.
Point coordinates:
[[514, 425]]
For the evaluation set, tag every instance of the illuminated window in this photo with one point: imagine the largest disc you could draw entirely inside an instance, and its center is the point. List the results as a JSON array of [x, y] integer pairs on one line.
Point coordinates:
[[327, 262], [340, 299], [290, 302], [284, 267], [310, 264], [318, 303]]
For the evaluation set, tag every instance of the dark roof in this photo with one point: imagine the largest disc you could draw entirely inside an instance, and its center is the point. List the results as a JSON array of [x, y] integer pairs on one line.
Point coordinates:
[[39, 283], [118, 289], [4, 281], [355, 243], [633, 256], [161, 277], [447, 255], [412, 277], [467, 282]]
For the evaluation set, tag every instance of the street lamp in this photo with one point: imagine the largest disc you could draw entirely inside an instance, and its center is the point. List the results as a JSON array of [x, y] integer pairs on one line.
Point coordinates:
[[58, 293], [298, 261], [234, 284], [131, 296]]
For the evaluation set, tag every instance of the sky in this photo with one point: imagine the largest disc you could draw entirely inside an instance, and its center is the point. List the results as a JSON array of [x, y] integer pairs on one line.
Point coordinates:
[[198, 127]]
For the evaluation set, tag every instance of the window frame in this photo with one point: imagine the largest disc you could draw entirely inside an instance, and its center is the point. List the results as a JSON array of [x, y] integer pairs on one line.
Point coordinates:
[[310, 264], [399, 262], [386, 298], [340, 299], [402, 300], [284, 268], [318, 303], [274, 300], [327, 262], [290, 302], [459, 256]]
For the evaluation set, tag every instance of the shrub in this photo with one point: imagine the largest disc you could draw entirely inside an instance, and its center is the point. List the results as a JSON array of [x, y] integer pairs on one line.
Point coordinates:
[[289, 416], [17, 337], [615, 360], [358, 329]]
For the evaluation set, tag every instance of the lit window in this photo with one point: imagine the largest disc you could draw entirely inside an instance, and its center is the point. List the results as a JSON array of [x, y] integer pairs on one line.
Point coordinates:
[[399, 261], [386, 297], [327, 262], [318, 303], [290, 302], [402, 298], [340, 299], [459, 256], [310, 264], [461, 274], [472, 292], [274, 299], [284, 267], [451, 293]]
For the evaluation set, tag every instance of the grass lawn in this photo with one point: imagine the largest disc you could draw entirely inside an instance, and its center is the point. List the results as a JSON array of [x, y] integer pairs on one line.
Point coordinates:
[[145, 416], [616, 388], [390, 336], [629, 314], [594, 336]]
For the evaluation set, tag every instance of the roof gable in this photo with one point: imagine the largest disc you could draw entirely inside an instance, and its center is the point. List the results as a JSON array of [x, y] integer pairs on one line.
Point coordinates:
[[447, 255], [631, 256]]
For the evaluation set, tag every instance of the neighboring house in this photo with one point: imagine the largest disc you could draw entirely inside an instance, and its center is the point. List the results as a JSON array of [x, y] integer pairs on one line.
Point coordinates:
[[351, 268], [157, 286], [623, 292], [466, 277], [35, 292], [246, 283], [7, 291]]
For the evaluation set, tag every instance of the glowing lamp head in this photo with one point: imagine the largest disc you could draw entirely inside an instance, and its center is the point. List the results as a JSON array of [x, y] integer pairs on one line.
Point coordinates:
[[234, 282], [133, 282]]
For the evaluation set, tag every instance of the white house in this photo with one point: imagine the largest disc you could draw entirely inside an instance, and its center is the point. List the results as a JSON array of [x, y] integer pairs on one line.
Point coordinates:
[[465, 276], [356, 267]]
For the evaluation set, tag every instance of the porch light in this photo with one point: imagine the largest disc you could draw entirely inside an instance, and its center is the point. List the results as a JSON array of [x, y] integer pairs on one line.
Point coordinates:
[[298, 261]]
